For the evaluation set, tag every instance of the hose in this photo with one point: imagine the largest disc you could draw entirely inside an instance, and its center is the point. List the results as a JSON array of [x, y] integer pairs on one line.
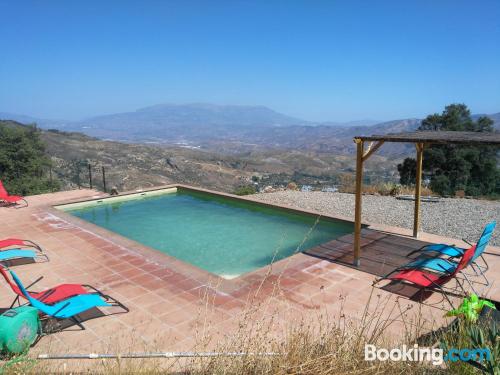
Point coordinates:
[[151, 355]]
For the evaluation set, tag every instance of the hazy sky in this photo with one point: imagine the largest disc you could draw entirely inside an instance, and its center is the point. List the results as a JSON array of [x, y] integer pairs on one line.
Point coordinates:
[[318, 60]]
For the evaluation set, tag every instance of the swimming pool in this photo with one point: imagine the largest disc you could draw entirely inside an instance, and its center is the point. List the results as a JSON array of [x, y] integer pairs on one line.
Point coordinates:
[[222, 235]]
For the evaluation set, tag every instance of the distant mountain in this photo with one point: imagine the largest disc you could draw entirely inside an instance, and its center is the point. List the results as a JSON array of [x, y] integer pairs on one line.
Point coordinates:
[[198, 115], [395, 126], [211, 114], [20, 118], [351, 123], [231, 129], [494, 116], [329, 139], [43, 123]]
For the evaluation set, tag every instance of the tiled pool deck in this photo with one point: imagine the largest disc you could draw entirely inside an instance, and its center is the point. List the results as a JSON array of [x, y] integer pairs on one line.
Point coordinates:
[[173, 304]]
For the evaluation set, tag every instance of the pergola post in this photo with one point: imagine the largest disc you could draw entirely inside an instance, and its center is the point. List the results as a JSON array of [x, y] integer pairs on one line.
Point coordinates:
[[359, 189], [418, 188]]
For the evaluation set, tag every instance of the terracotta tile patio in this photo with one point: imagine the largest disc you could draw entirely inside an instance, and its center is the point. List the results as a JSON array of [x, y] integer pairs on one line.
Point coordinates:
[[171, 303]]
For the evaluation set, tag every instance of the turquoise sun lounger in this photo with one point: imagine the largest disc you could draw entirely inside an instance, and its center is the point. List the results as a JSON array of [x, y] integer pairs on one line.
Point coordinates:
[[454, 251], [16, 254], [71, 307], [443, 265], [65, 309]]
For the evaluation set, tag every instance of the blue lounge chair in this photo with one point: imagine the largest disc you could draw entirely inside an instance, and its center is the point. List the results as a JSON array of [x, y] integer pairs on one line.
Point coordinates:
[[13, 254], [442, 265], [71, 307], [454, 251]]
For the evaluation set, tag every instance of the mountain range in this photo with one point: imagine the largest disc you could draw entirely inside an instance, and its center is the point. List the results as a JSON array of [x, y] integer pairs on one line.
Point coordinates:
[[229, 128]]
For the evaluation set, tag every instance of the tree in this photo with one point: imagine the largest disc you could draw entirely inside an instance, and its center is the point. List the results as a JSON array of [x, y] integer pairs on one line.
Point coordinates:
[[23, 161], [456, 167], [407, 171]]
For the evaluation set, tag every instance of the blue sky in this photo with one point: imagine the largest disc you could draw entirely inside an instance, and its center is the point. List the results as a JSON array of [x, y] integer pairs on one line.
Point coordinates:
[[318, 60]]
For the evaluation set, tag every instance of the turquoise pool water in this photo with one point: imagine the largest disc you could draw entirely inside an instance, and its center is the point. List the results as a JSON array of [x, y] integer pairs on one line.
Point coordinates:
[[219, 235]]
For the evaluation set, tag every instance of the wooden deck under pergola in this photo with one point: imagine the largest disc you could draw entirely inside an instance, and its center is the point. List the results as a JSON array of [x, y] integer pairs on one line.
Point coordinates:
[[421, 139]]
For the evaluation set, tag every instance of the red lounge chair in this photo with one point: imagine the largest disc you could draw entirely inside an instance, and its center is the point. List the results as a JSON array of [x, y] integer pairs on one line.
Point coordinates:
[[13, 251], [68, 309], [427, 280], [8, 242], [10, 199], [52, 295]]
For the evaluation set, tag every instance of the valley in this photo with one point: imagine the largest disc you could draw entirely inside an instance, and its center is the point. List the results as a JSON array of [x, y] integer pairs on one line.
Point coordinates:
[[131, 166]]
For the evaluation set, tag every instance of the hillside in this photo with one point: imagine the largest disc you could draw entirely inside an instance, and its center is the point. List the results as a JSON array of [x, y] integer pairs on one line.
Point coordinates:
[[131, 166]]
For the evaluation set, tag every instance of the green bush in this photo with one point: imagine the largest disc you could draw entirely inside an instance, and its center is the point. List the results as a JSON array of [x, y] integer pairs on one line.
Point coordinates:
[[441, 185], [24, 165], [245, 190]]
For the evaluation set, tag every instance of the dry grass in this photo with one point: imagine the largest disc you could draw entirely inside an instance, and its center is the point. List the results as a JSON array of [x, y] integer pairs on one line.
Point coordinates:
[[317, 344], [320, 346], [387, 189]]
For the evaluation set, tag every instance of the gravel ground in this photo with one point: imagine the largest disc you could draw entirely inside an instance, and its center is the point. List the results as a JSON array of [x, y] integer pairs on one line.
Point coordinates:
[[456, 218]]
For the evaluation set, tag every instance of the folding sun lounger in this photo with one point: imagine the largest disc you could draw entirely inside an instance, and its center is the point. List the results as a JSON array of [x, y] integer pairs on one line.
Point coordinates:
[[10, 199], [13, 254], [438, 264], [8, 242], [68, 308], [50, 296], [426, 280]]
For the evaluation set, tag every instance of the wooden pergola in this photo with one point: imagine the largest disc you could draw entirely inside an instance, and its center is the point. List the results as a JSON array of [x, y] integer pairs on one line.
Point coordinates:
[[421, 139]]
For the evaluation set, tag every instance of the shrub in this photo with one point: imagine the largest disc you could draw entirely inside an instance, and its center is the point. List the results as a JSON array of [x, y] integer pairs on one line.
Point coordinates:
[[441, 185], [23, 161], [245, 190], [463, 334], [391, 189]]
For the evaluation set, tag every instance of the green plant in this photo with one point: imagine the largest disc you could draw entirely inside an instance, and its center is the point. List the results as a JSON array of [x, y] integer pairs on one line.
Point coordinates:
[[24, 164], [245, 190], [470, 308], [481, 337]]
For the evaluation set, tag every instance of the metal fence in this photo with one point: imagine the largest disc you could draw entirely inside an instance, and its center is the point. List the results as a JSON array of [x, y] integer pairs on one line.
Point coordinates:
[[93, 173], [82, 174]]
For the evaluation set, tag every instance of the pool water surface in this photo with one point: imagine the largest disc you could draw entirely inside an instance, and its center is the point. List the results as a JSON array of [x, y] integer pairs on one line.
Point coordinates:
[[220, 235]]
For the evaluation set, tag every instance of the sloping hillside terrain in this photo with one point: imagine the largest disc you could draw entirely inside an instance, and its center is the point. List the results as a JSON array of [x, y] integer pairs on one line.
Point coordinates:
[[130, 166]]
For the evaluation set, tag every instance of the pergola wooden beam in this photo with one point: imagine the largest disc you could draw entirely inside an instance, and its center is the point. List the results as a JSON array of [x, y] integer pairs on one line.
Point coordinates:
[[371, 149], [420, 139]]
